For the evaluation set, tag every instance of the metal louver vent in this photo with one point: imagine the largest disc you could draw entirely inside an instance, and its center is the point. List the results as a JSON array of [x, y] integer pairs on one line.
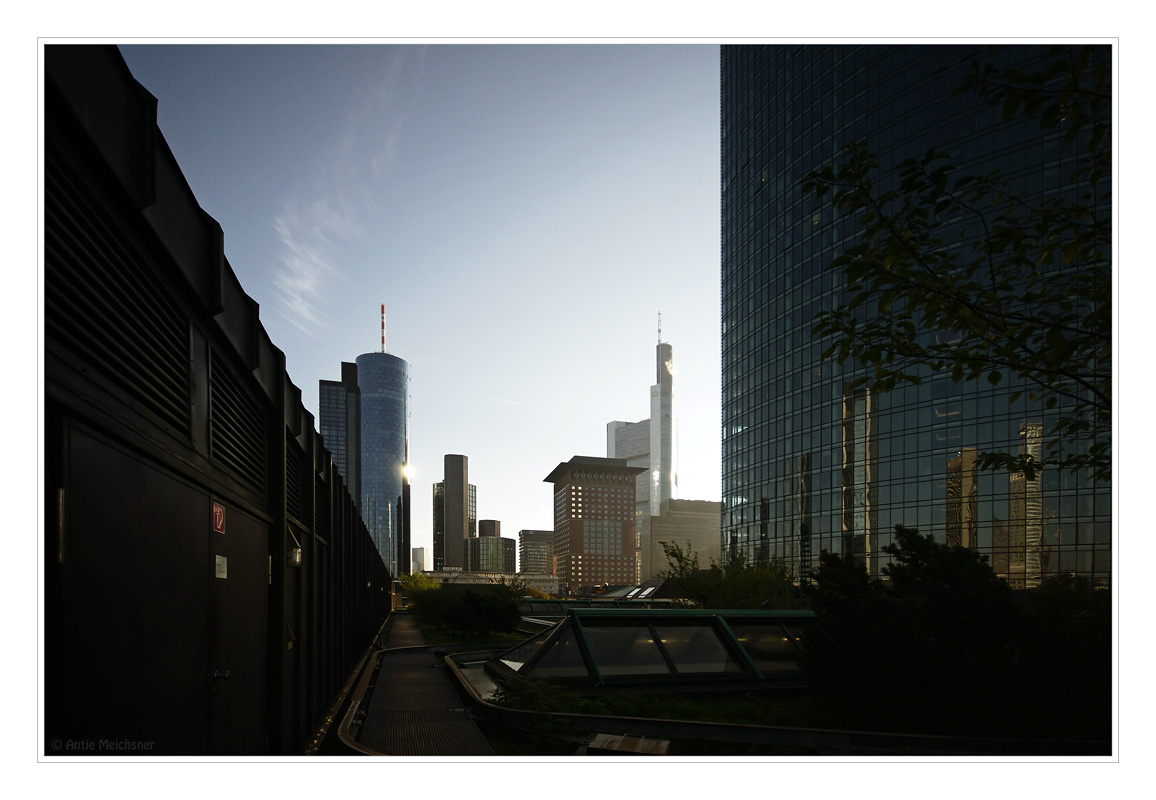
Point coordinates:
[[292, 478], [320, 508], [103, 305], [236, 427]]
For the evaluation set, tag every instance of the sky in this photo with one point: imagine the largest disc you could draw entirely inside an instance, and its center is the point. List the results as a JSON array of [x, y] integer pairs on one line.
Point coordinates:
[[525, 213]]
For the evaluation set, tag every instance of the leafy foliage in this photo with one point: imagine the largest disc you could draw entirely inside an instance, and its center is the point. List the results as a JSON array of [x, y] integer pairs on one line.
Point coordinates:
[[943, 646], [739, 583], [470, 610], [956, 275], [416, 582]]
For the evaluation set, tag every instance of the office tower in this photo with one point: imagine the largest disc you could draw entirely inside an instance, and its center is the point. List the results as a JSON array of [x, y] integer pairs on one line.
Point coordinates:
[[418, 559], [809, 462], [651, 443], [340, 424], [365, 424], [455, 514], [488, 551], [693, 525], [536, 552], [383, 380], [594, 522]]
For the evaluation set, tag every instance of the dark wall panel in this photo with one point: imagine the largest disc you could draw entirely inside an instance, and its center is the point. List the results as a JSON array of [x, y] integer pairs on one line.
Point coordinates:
[[135, 611]]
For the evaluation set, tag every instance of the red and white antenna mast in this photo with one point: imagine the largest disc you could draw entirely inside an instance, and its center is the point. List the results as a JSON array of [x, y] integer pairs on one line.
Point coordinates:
[[383, 327]]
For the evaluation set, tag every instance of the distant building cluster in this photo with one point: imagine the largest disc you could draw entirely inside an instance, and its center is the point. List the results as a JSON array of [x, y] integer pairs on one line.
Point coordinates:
[[611, 514]]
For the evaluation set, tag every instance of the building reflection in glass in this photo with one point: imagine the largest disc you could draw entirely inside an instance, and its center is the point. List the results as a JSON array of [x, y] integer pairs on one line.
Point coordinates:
[[962, 500], [860, 515], [803, 514]]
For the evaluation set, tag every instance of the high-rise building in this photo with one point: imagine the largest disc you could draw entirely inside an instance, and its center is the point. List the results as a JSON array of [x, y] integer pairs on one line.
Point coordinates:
[[488, 551], [340, 424], [419, 559], [595, 538], [364, 421], [455, 515], [809, 462], [651, 443], [536, 552], [692, 525]]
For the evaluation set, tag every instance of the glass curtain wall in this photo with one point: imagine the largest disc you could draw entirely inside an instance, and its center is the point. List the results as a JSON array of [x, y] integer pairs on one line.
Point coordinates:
[[808, 463]]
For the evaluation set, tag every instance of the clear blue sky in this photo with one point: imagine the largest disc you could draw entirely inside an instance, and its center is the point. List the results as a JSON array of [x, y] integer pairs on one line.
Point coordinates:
[[524, 212]]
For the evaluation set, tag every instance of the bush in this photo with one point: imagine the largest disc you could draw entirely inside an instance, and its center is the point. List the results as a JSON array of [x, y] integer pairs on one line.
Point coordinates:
[[469, 610], [943, 646]]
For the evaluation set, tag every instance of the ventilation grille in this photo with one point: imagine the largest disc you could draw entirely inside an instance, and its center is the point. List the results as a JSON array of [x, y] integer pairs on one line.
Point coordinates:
[[320, 508], [103, 304], [292, 478], [236, 430]]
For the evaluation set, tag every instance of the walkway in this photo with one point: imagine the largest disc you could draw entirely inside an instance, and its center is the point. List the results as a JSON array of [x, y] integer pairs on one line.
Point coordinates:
[[414, 709]]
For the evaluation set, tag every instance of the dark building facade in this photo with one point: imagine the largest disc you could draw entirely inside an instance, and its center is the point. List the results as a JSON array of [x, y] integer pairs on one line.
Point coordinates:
[[455, 514], [340, 425], [809, 463], [489, 552], [208, 584], [595, 540], [536, 552]]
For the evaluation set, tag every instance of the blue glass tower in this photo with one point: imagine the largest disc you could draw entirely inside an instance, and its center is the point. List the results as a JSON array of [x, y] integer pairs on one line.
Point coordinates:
[[383, 381], [810, 463]]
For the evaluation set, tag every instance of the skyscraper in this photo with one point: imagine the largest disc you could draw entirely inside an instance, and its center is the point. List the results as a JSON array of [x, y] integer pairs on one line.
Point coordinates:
[[418, 556], [383, 380], [489, 551], [455, 514], [340, 425], [810, 462], [595, 540], [651, 443], [536, 552], [365, 424]]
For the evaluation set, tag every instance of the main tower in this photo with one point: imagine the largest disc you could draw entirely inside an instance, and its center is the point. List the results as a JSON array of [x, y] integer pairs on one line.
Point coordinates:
[[365, 424]]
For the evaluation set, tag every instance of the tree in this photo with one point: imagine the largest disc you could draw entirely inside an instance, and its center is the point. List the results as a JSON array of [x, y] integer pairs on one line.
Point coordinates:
[[957, 275], [416, 582], [944, 646], [927, 649], [738, 583]]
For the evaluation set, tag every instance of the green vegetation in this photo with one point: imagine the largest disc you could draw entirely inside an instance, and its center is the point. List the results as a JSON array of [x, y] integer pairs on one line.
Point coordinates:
[[955, 275], [418, 582], [468, 612], [739, 583], [943, 646]]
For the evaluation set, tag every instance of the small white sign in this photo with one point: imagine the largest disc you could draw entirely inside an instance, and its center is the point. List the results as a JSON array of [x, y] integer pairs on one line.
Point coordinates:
[[222, 567]]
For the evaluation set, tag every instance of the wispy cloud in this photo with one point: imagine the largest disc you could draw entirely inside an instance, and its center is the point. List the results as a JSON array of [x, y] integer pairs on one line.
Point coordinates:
[[315, 223], [310, 233]]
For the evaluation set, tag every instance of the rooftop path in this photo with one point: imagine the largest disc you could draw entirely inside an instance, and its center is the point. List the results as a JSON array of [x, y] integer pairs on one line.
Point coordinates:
[[414, 709]]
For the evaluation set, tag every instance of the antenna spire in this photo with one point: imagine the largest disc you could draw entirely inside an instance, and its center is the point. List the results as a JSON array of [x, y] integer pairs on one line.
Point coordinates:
[[660, 327], [383, 327]]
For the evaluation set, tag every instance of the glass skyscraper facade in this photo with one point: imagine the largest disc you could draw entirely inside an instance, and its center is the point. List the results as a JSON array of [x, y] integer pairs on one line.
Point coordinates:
[[810, 464], [383, 381], [340, 423]]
